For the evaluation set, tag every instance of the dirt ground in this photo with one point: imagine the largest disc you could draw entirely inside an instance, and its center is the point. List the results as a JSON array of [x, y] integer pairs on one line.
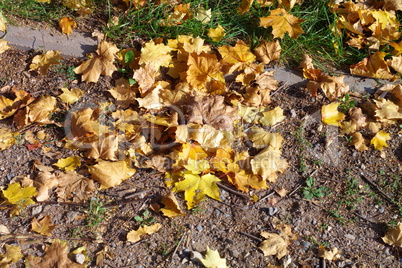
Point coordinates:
[[352, 216]]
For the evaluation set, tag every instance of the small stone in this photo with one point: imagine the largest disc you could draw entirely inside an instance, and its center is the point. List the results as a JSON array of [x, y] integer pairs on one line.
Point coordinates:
[[381, 210], [305, 244], [362, 166], [387, 251], [272, 211], [324, 236], [340, 264], [196, 256], [36, 210], [79, 258], [314, 222], [234, 253], [199, 227], [349, 236], [217, 212], [293, 113]]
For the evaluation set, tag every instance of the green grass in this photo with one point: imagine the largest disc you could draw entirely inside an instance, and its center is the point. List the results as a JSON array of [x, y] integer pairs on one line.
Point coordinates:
[[96, 213], [145, 23]]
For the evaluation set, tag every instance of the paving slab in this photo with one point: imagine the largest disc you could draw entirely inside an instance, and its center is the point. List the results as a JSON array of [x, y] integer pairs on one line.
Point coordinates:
[[75, 45]]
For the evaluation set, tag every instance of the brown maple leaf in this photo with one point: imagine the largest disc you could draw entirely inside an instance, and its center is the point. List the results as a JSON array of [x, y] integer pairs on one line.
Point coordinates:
[[213, 111]]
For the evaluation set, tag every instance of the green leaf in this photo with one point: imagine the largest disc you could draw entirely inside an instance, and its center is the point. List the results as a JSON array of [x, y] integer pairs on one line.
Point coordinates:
[[129, 57]]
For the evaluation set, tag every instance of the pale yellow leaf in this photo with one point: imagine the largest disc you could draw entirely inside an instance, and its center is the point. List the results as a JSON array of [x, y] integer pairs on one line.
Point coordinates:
[[136, 235]]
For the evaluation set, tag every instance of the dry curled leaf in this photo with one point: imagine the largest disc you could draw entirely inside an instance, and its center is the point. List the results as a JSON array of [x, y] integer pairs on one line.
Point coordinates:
[[136, 235], [111, 174], [67, 24], [42, 63], [394, 236], [43, 227]]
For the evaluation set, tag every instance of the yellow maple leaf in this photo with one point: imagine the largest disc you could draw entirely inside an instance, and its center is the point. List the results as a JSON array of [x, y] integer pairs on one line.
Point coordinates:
[[17, 195], [6, 139], [196, 187], [38, 112], [42, 63], [69, 163], [3, 22], [330, 114], [272, 117], [203, 15], [12, 255], [374, 66], [171, 206], [262, 138], [380, 140], [44, 226], [110, 174], [123, 93], [273, 244], [238, 57], [3, 46], [146, 76], [67, 24], [268, 163], [268, 51], [245, 6], [157, 55], [203, 71], [394, 236], [105, 147], [136, 235], [8, 107], [397, 48], [282, 22], [71, 96], [387, 112], [213, 260], [330, 255], [217, 34], [101, 63]]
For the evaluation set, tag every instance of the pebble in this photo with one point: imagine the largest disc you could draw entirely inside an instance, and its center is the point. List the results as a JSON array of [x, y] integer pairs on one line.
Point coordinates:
[[305, 244], [217, 212], [36, 210], [196, 256], [272, 211], [199, 227], [362, 166], [349, 236], [381, 210], [324, 236], [234, 253], [79, 258], [314, 222], [387, 251], [293, 113]]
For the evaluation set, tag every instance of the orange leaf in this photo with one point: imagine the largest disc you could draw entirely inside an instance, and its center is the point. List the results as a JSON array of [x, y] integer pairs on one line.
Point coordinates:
[[282, 22], [67, 24]]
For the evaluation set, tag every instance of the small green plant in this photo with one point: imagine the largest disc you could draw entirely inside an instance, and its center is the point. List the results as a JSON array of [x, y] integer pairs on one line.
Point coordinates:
[[346, 104], [96, 213], [348, 138], [341, 219], [195, 210], [145, 218], [310, 192], [316, 162]]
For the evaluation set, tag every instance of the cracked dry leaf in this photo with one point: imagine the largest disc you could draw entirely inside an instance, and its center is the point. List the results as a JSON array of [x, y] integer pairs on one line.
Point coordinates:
[[67, 24], [136, 235], [380, 140], [43, 182], [8, 107], [82, 125], [216, 34], [43, 227], [359, 142], [268, 163], [110, 174], [213, 260], [274, 244], [177, 97], [3, 46], [330, 114], [68, 163], [71, 96], [203, 15], [74, 186], [12, 255], [212, 110], [196, 187], [157, 55], [56, 255], [329, 255], [243, 180], [282, 22], [38, 112], [171, 206], [6, 139], [394, 236], [153, 99], [100, 63], [268, 51], [42, 63], [238, 57]]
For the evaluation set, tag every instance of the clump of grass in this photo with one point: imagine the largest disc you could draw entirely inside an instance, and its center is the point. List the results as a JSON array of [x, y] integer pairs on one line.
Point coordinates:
[[96, 213]]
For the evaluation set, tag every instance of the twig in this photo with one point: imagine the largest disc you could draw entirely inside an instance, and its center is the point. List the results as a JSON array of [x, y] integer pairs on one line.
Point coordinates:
[[251, 236], [226, 204], [276, 91], [232, 191], [267, 196], [178, 245], [373, 185], [323, 263]]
